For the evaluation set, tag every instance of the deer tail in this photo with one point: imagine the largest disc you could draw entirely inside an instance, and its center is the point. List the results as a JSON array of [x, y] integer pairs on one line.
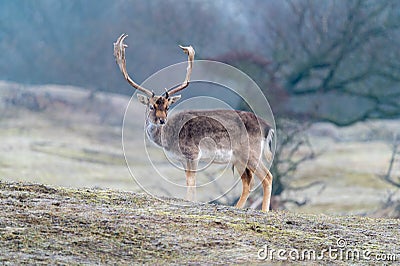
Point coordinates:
[[268, 145]]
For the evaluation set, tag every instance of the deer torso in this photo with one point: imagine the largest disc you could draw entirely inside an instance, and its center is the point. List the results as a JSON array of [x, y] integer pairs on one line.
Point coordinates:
[[217, 135]]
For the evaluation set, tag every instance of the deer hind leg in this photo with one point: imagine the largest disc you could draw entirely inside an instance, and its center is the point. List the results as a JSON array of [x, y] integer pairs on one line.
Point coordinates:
[[190, 170], [266, 179], [247, 177]]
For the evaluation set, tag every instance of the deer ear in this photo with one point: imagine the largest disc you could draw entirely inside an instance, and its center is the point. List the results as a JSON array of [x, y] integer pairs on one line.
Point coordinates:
[[143, 99], [174, 99]]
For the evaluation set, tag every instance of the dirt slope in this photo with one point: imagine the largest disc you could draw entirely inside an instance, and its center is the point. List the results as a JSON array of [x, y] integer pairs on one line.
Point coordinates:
[[43, 224]]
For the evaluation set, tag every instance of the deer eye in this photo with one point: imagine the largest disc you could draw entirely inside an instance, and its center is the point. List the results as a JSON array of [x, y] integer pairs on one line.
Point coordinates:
[[151, 107]]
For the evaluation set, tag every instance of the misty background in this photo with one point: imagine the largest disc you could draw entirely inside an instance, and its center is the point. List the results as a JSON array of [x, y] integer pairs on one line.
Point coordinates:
[[330, 70]]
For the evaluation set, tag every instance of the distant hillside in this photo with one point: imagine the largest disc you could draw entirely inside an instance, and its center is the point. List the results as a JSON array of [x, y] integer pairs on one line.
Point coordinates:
[[68, 136], [54, 225]]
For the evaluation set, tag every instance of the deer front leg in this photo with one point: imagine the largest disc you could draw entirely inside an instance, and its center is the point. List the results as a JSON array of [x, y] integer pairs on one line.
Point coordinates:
[[190, 170]]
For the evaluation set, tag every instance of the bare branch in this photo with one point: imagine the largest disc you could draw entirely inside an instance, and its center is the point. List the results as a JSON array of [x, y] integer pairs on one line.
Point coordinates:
[[312, 184], [395, 151]]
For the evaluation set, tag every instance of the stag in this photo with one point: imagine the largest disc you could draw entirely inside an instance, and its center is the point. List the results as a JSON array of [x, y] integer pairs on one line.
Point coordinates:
[[222, 136]]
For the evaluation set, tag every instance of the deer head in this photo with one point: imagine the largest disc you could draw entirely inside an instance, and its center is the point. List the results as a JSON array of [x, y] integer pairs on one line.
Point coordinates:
[[157, 105]]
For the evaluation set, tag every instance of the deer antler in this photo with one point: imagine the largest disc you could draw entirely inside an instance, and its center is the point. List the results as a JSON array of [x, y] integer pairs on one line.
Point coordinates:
[[190, 52], [119, 53]]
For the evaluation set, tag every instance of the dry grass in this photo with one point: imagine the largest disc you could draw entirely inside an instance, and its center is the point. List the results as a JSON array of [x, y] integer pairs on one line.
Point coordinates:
[[53, 225]]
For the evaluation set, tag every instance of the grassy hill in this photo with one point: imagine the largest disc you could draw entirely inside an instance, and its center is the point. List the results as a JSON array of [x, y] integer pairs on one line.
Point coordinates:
[[69, 136], [55, 225]]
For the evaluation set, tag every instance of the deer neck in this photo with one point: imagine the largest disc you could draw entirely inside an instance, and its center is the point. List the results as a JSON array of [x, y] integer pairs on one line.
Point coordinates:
[[153, 132]]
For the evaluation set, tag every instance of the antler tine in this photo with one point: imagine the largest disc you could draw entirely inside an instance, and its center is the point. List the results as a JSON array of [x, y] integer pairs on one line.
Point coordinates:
[[119, 54], [190, 52]]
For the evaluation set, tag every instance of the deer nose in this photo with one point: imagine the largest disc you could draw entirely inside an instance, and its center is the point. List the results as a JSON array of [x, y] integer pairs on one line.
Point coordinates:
[[162, 121]]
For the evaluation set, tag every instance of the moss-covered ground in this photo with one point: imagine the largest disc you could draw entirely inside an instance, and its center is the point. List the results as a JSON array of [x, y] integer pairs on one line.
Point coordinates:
[[54, 225]]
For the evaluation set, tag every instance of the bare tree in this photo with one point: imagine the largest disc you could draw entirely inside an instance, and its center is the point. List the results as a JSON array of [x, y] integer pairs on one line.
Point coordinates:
[[338, 60], [388, 176], [391, 206], [323, 61]]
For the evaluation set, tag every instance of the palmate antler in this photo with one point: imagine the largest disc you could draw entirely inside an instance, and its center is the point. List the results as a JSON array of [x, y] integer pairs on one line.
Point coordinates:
[[190, 52], [119, 53]]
